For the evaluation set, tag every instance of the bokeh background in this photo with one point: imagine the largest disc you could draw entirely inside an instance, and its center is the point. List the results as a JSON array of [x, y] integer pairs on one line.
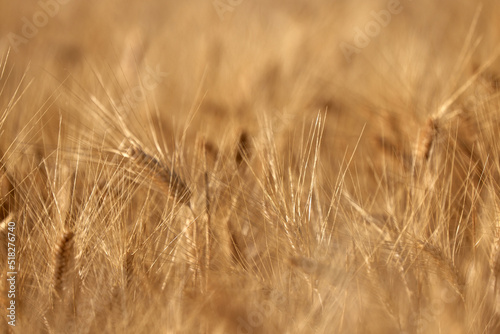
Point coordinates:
[[232, 62]]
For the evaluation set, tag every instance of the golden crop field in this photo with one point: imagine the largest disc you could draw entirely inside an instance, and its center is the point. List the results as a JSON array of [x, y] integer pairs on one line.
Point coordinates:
[[250, 166]]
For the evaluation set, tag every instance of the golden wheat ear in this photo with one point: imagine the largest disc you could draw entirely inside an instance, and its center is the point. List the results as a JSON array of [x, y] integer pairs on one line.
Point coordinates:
[[62, 261], [128, 264], [162, 176], [6, 191], [426, 142]]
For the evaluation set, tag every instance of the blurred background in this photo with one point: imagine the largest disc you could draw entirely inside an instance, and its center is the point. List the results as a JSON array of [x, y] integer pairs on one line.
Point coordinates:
[[232, 60]]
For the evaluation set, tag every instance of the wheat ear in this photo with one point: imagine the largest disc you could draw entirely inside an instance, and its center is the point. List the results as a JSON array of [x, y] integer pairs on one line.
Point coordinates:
[[427, 138], [63, 257], [165, 178], [495, 253], [129, 268]]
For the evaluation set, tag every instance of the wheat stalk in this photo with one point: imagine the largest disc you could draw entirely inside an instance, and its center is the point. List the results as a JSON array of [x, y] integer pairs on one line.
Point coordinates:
[[208, 240]]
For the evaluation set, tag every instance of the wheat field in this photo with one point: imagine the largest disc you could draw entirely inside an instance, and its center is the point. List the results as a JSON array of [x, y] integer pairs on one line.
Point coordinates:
[[237, 166]]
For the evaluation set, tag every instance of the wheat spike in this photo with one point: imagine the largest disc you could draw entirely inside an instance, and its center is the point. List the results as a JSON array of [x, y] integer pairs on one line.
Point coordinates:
[[163, 177], [495, 252], [6, 190], [62, 261], [426, 140], [46, 325], [129, 268], [4, 223]]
